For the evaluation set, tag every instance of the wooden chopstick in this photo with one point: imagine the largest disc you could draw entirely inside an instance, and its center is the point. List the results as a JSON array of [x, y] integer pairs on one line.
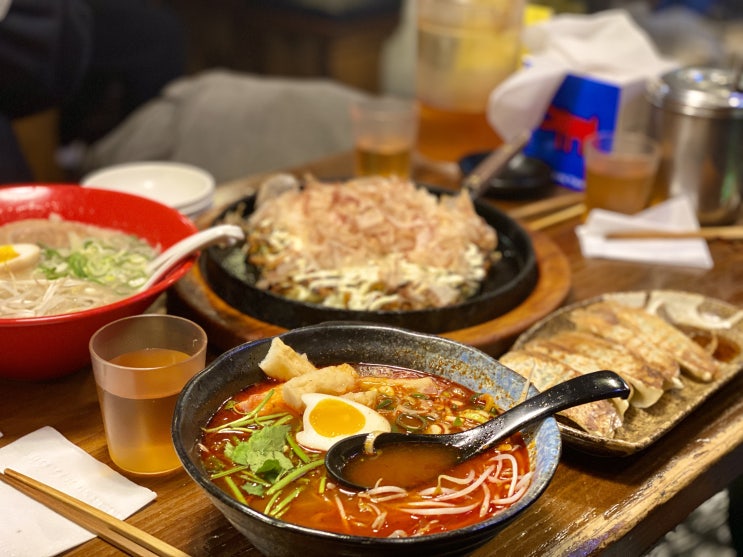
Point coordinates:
[[707, 233], [546, 205], [557, 217], [126, 537]]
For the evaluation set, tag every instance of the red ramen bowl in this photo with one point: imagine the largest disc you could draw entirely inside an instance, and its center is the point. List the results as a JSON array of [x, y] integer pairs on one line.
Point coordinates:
[[39, 348], [353, 342]]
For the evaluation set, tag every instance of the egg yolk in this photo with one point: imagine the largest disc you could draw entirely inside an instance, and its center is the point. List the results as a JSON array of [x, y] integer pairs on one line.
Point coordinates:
[[332, 417], [7, 253]]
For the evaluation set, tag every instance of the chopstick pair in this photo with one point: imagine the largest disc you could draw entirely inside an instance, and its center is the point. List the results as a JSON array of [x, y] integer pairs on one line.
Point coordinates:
[[554, 210], [707, 233], [548, 212], [126, 537]]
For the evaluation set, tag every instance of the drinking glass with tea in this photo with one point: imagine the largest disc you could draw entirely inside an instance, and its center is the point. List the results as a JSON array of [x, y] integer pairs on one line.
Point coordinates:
[[141, 364], [620, 171]]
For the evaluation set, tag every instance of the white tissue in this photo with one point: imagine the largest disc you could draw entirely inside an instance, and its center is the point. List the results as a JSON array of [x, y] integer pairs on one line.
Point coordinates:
[[28, 528], [674, 215], [606, 45]]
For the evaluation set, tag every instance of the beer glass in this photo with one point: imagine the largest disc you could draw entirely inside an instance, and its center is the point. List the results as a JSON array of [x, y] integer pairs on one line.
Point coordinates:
[[465, 49]]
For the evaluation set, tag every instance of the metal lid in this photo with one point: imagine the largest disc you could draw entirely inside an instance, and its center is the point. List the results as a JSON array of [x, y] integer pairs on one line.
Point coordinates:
[[696, 91]]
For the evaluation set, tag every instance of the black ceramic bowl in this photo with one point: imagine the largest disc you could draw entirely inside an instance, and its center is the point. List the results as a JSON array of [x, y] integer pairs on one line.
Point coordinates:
[[333, 343], [507, 284]]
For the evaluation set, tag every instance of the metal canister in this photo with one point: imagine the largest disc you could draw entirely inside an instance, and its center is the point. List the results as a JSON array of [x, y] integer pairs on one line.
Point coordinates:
[[697, 116]]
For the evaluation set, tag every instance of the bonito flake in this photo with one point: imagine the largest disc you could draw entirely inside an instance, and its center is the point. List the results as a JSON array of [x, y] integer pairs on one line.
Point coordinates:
[[370, 244]]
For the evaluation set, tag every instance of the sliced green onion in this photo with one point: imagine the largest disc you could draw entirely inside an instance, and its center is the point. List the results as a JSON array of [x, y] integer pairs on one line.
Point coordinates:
[[122, 269], [385, 403], [410, 422]]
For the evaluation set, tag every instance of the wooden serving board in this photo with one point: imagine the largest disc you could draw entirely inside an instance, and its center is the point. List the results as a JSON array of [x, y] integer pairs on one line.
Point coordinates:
[[227, 327]]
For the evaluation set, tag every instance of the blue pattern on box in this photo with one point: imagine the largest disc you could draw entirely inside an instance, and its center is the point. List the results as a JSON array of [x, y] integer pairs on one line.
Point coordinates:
[[580, 107]]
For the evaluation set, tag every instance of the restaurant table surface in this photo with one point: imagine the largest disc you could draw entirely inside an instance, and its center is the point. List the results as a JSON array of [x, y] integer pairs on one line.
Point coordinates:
[[594, 505]]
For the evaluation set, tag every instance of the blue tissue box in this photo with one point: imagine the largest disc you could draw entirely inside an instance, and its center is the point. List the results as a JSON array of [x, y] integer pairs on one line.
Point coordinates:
[[581, 106]]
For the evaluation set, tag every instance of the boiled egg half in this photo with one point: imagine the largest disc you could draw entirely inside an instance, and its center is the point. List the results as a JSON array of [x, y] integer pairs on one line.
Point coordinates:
[[327, 419], [18, 257]]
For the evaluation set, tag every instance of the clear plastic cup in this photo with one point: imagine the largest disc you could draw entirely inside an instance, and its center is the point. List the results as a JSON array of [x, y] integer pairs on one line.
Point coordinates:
[[141, 364]]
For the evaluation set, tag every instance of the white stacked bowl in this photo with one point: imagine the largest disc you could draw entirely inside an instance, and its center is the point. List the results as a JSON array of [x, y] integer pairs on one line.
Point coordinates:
[[187, 188]]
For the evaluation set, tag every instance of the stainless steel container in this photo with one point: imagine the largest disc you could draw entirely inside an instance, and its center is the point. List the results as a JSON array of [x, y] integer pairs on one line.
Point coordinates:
[[697, 116]]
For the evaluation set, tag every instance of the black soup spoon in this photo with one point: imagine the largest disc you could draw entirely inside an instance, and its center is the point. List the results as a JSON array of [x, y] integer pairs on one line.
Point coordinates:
[[357, 462]]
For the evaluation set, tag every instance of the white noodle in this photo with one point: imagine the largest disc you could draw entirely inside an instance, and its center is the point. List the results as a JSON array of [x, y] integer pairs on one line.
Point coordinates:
[[108, 266]]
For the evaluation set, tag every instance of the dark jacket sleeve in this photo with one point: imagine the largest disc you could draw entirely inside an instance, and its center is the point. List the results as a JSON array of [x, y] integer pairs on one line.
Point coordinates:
[[45, 48]]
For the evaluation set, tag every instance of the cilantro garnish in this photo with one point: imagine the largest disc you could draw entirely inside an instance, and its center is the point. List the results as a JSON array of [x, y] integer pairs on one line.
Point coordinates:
[[263, 451]]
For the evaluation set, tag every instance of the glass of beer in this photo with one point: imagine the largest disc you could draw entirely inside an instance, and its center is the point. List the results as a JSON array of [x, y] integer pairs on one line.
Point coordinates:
[[140, 365], [465, 48], [385, 131], [620, 170]]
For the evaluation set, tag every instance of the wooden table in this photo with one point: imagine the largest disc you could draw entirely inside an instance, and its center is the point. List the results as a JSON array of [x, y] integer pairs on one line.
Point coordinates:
[[593, 506]]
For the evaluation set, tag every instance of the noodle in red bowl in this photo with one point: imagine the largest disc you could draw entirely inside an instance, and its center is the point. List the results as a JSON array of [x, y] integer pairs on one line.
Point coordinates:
[[420, 383], [64, 336]]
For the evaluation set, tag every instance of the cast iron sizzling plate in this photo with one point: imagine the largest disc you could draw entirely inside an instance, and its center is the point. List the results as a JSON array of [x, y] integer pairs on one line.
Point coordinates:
[[508, 283]]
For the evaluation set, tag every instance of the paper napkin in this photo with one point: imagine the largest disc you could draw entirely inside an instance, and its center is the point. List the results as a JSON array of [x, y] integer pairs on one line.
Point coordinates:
[[579, 44], [28, 528], [674, 215]]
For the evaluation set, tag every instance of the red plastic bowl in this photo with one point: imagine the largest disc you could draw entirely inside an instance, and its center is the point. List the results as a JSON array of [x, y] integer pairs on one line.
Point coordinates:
[[39, 348]]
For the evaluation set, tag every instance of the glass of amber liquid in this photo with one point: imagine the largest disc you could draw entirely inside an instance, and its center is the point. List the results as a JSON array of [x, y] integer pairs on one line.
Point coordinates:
[[140, 365], [465, 48], [620, 171], [385, 131]]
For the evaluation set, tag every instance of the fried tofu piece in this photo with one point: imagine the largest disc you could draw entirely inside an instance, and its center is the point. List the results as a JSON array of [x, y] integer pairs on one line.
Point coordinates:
[[331, 380], [367, 398], [425, 385], [283, 362], [601, 417]]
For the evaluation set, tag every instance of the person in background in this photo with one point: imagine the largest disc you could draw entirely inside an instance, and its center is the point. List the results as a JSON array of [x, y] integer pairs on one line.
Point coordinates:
[[45, 48], [96, 61], [139, 47]]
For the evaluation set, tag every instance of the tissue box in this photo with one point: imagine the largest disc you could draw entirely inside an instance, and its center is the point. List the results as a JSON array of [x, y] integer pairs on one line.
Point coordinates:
[[581, 106]]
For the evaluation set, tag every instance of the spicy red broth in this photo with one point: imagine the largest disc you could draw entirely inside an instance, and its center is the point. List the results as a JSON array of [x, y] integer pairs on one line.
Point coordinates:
[[292, 484]]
